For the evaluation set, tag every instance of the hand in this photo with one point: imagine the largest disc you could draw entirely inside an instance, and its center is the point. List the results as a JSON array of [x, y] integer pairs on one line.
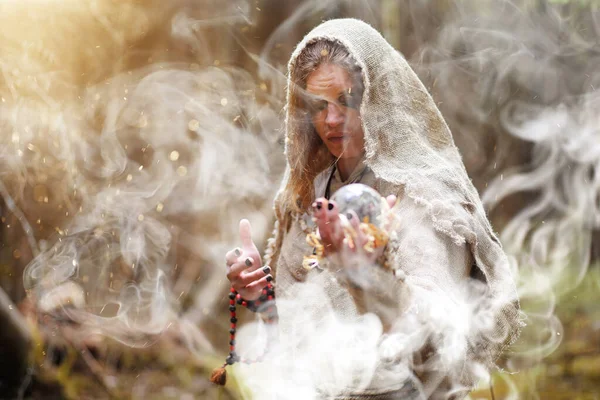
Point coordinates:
[[244, 266], [327, 218]]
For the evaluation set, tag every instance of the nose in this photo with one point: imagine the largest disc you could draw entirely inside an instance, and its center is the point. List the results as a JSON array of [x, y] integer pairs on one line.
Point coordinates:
[[335, 115]]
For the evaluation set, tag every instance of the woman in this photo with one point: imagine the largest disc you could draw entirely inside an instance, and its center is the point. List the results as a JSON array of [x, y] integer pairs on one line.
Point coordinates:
[[445, 301]]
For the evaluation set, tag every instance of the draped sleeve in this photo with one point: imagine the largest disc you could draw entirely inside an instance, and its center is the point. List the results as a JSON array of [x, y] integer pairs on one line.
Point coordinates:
[[426, 304]]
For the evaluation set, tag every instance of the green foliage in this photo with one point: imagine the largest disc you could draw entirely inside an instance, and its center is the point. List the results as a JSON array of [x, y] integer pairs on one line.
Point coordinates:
[[572, 371]]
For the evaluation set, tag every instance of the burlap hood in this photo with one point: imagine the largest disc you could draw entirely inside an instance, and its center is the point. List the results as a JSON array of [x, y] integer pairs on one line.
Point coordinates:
[[409, 145]]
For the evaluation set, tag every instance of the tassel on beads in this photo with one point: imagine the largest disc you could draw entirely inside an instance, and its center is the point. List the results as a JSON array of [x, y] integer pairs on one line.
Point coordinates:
[[219, 376]]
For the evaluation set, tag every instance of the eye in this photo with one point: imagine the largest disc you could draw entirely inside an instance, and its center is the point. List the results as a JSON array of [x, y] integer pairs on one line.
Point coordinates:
[[349, 100], [316, 106]]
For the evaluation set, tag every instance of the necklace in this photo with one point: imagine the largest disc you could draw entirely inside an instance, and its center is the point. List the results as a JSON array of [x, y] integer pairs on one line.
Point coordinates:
[[357, 179], [306, 223]]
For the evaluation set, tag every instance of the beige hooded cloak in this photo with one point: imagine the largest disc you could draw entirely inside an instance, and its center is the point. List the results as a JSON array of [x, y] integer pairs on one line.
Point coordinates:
[[435, 326]]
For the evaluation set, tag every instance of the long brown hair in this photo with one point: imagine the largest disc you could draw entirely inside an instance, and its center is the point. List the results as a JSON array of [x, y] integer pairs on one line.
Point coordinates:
[[315, 157]]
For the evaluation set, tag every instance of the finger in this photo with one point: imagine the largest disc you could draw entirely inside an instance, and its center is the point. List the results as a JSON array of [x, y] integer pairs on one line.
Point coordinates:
[[240, 266], [332, 212], [319, 209], [391, 220], [320, 217], [232, 256], [359, 237], [249, 294], [333, 221], [247, 278], [354, 220], [259, 284], [246, 235], [391, 200]]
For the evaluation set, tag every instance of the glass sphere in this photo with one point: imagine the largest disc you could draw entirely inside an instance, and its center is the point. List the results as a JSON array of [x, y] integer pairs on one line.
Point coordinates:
[[365, 201]]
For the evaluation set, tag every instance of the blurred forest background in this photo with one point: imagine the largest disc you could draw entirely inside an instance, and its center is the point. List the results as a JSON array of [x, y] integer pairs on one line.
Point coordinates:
[[134, 134]]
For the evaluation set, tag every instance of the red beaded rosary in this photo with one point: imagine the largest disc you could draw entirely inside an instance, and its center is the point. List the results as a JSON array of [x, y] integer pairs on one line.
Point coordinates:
[[265, 305]]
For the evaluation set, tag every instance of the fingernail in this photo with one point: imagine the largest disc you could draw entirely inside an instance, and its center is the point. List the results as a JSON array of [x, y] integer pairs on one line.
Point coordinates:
[[269, 278], [330, 206], [319, 205], [248, 262], [238, 252], [266, 270], [349, 216]]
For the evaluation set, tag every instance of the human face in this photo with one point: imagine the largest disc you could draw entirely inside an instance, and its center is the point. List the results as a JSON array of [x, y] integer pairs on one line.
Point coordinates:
[[333, 102]]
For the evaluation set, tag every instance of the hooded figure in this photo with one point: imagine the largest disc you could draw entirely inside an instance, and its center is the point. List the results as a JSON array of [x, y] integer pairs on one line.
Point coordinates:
[[432, 323]]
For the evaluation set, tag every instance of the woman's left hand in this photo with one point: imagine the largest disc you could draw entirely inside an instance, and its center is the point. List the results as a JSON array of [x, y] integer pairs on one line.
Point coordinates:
[[327, 218]]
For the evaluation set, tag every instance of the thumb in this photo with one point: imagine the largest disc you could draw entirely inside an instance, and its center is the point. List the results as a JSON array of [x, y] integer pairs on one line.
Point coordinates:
[[391, 200], [246, 235]]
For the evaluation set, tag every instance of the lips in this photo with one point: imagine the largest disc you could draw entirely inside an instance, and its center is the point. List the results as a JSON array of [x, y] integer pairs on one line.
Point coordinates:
[[335, 137]]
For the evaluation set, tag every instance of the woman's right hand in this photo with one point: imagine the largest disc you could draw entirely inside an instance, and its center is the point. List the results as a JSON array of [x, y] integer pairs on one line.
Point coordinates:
[[244, 266], [326, 216]]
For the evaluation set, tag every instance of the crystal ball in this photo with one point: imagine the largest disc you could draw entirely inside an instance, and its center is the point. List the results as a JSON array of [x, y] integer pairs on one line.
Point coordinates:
[[365, 201]]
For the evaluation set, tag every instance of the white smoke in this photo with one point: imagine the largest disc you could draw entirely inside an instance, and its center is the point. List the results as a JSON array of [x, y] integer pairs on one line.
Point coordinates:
[[517, 83], [134, 138], [518, 79], [137, 158]]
